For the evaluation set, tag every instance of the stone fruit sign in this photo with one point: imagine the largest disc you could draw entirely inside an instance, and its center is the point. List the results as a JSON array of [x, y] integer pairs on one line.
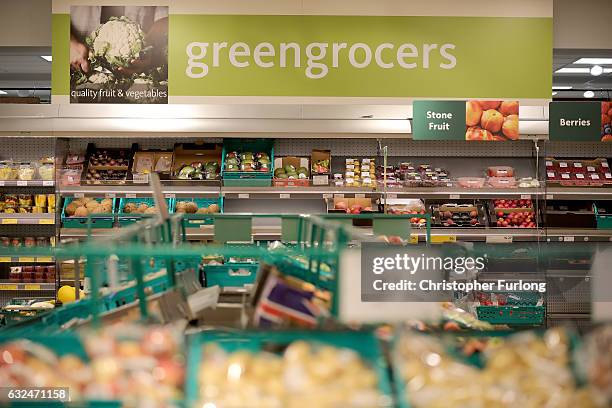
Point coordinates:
[[438, 120], [474, 120]]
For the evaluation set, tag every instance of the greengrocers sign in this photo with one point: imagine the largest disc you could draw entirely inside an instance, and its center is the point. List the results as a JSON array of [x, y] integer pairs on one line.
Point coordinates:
[[358, 55], [344, 56]]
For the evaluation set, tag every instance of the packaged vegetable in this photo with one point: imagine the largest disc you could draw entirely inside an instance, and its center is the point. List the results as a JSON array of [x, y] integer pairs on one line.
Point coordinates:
[[26, 171], [46, 171], [40, 200], [164, 163], [8, 171]]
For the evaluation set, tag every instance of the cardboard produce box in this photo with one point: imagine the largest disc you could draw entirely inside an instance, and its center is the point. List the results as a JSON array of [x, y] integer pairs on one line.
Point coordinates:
[[187, 154], [297, 163], [320, 177]]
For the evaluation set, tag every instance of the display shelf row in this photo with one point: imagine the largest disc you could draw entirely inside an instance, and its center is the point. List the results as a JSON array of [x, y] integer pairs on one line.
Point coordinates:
[[27, 219], [194, 189], [206, 232], [26, 259], [26, 286], [27, 183]]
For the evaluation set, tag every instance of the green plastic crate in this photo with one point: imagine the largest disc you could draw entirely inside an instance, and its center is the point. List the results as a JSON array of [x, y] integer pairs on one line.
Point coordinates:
[[248, 178], [195, 220], [363, 342], [604, 220], [231, 275], [512, 315], [97, 220], [126, 219]]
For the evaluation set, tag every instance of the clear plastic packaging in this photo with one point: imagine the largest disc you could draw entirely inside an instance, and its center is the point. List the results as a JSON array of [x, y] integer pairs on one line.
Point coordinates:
[[500, 171], [471, 182], [502, 182], [26, 171], [8, 171]]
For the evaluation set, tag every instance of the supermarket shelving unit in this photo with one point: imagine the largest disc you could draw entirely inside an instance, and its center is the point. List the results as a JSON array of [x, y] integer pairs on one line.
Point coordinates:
[[348, 130]]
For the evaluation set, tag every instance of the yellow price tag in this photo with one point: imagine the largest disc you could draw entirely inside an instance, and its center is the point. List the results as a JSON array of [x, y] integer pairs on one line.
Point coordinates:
[[4, 286], [9, 220], [440, 239], [46, 221], [31, 286], [5, 259], [44, 259], [26, 259], [414, 239]]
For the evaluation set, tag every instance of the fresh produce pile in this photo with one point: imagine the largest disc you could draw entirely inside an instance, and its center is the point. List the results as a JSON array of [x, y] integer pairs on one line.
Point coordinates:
[[191, 207], [289, 171], [83, 207], [492, 120], [525, 370], [526, 203], [606, 121], [107, 165], [140, 366], [409, 206], [350, 206], [199, 171], [578, 172], [520, 219], [320, 166], [454, 215], [305, 375], [134, 207], [27, 203], [413, 175], [247, 161]]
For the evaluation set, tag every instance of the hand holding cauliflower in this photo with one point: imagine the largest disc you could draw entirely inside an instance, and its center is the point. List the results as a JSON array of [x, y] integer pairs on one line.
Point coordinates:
[[119, 41]]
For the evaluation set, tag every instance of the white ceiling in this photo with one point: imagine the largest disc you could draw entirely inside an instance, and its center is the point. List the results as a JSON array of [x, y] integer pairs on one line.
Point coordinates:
[[565, 58]]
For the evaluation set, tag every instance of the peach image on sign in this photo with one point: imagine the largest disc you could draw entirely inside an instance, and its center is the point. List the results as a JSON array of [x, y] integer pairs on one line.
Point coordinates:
[[491, 120]]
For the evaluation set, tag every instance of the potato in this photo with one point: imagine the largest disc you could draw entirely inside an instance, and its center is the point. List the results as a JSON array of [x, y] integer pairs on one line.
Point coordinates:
[[191, 207], [92, 204], [213, 208], [81, 212], [151, 210], [100, 209], [510, 127], [142, 208], [130, 208], [71, 208], [473, 113], [492, 120], [203, 211]]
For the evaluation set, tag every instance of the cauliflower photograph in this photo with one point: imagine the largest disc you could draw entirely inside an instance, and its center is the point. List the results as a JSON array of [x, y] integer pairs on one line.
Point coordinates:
[[119, 54]]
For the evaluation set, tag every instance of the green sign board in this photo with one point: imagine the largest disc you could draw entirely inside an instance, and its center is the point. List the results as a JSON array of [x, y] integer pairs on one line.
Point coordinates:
[[438, 120], [201, 55], [575, 121]]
